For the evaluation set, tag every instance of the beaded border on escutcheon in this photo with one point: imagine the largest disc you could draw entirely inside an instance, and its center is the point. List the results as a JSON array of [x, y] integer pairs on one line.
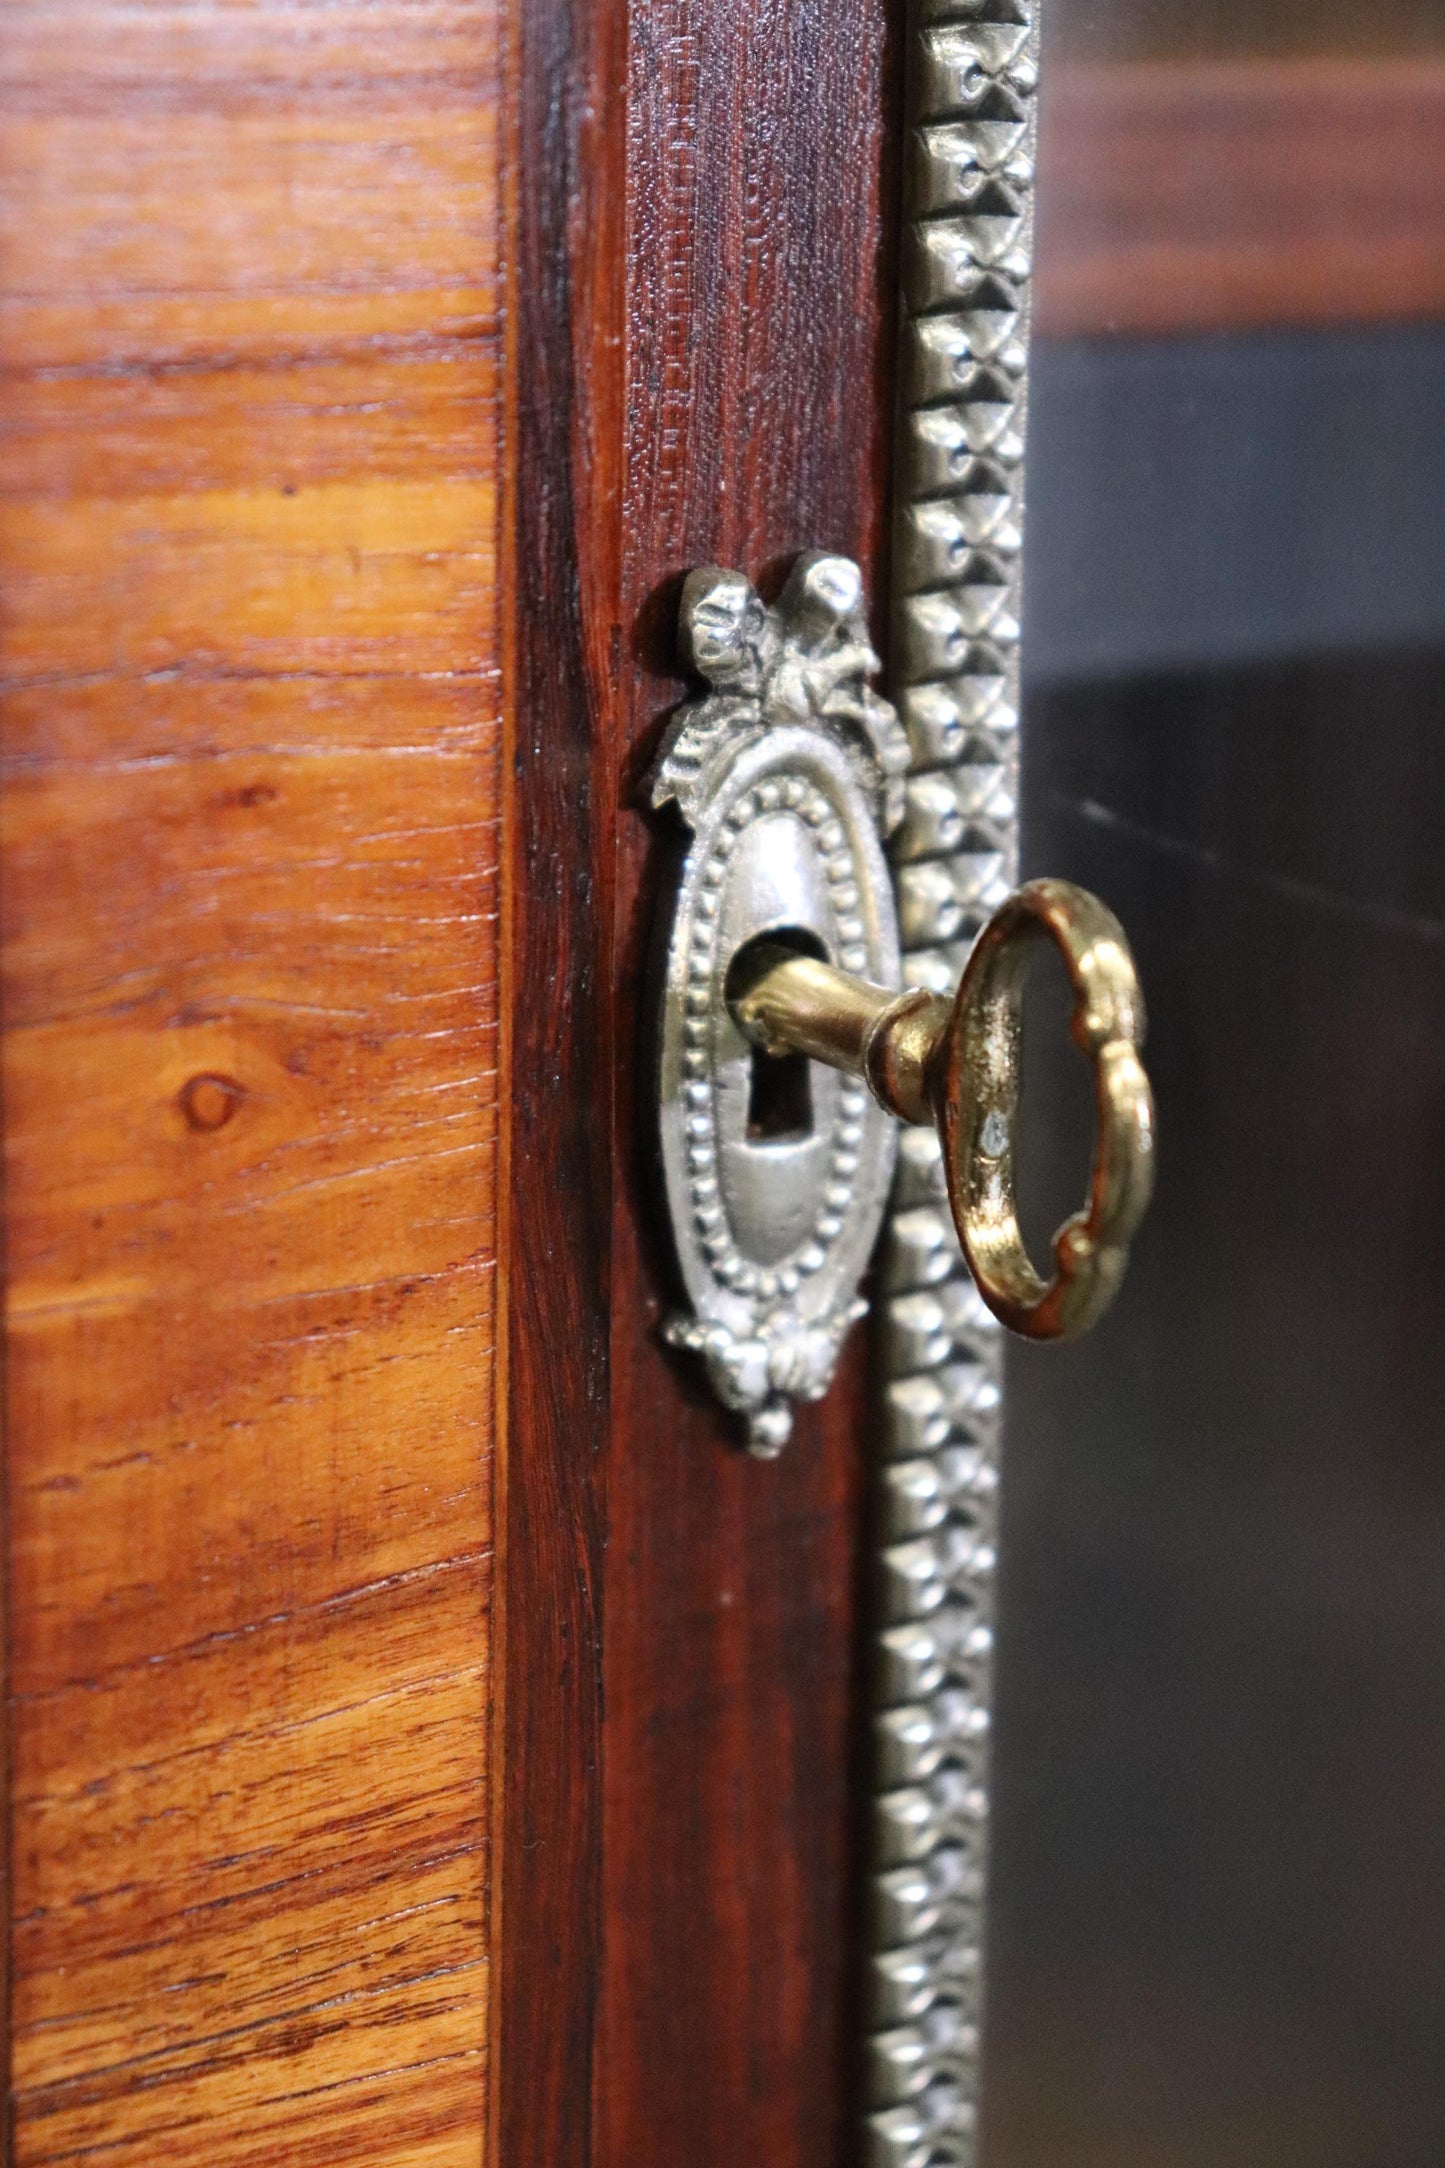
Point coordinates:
[[785, 794], [972, 72]]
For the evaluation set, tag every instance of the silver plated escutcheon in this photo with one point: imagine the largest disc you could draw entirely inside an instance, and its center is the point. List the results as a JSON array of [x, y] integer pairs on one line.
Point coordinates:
[[789, 772]]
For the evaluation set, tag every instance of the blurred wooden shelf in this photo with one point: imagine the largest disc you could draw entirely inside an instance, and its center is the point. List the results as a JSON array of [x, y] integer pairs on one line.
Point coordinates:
[[1201, 196]]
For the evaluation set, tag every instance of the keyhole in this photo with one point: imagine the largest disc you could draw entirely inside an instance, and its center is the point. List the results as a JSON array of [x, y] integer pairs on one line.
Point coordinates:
[[780, 1098], [780, 1086]]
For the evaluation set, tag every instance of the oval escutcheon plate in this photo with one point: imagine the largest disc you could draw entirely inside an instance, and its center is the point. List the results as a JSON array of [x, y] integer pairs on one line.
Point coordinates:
[[787, 772]]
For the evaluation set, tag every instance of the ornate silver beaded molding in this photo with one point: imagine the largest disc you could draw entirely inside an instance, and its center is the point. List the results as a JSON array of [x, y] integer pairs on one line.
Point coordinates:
[[786, 772], [972, 69]]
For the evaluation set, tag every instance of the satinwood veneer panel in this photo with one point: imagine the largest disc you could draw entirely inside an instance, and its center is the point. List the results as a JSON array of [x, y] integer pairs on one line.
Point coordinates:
[[248, 575]]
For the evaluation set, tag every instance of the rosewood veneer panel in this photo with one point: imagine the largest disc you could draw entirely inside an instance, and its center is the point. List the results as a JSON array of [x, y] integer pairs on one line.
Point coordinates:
[[703, 324]]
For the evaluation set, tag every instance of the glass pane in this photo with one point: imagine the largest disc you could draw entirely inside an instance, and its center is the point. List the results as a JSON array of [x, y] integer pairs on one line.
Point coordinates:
[[1136, 29], [1218, 1911]]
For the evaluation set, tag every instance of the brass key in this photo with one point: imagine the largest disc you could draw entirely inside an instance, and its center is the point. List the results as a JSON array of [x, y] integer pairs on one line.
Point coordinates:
[[956, 1063]]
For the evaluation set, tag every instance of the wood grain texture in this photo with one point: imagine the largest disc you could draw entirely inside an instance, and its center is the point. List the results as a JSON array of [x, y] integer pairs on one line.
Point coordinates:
[[248, 568], [1224, 195], [703, 327], [565, 365], [763, 140]]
